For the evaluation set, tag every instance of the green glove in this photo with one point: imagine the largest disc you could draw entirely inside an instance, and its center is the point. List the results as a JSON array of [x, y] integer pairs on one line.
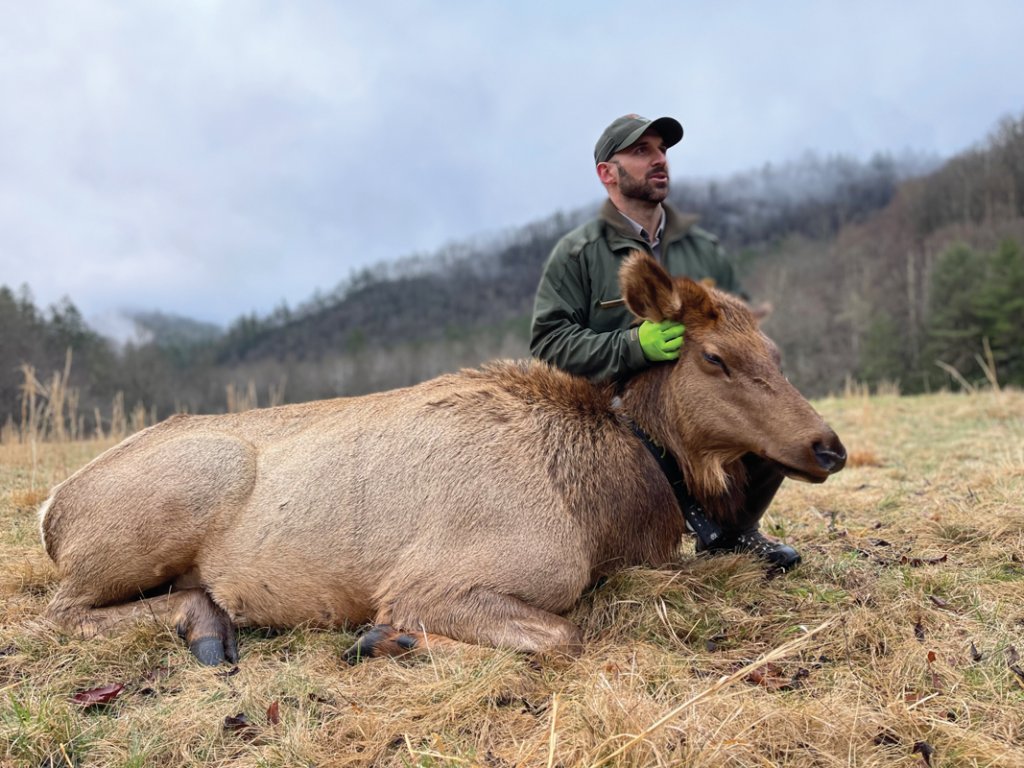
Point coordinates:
[[661, 341]]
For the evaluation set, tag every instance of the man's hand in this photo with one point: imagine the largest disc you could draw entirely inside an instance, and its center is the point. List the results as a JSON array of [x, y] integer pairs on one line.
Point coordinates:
[[661, 341]]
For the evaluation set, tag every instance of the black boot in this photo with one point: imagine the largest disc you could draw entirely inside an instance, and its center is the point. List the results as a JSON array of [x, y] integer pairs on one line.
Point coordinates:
[[780, 555], [763, 481]]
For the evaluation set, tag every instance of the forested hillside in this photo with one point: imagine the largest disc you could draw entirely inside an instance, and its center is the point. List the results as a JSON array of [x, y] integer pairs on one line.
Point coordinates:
[[895, 270], [918, 292]]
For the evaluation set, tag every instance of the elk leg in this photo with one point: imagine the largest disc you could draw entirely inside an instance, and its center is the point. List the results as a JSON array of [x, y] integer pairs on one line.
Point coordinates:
[[207, 630], [204, 625], [385, 640], [763, 481], [482, 617]]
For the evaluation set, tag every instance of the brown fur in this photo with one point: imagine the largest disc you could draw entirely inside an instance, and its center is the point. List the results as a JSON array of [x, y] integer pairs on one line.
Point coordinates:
[[476, 506]]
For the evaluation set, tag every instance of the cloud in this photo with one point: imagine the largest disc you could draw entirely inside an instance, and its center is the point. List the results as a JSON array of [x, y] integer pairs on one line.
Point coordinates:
[[215, 158]]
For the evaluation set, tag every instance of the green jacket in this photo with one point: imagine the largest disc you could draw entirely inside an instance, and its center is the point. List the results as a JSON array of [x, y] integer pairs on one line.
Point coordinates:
[[580, 321]]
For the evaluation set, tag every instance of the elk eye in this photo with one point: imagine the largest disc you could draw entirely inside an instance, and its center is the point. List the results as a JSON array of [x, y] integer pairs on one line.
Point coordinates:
[[716, 361]]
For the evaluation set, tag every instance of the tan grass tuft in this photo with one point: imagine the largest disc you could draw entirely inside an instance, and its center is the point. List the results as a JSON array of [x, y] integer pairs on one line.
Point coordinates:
[[29, 499], [863, 457]]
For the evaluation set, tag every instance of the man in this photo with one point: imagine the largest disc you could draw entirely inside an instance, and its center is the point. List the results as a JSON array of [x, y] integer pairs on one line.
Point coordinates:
[[581, 323]]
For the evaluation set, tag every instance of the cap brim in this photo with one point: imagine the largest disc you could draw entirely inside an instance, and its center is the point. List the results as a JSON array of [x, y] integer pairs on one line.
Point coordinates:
[[670, 130]]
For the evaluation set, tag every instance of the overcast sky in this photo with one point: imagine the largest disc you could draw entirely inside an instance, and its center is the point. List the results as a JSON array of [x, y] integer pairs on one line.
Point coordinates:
[[215, 158]]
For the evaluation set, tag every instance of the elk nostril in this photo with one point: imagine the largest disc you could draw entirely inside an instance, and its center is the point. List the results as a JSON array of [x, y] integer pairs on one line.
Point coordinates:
[[828, 459]]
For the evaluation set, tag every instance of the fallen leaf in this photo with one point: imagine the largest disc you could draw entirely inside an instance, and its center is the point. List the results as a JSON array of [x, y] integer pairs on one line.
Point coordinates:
[[239, 724], [912, 697], [919, 630], [887, 739], [1012, 659], [925, 750], [771, 676], [274, 713], [612, 669], [975, 653], [154, 676], [938, 601], [97, 696], [157, 674], [936, 681], [711, 644], [764, 672], [916, 562]]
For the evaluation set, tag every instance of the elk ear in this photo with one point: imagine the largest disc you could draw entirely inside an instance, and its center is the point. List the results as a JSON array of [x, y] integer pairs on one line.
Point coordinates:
[[695, 299], [647, 288], [761, 311]]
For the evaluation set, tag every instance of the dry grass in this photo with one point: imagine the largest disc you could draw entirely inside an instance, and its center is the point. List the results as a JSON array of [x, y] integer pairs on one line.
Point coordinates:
[[915, 553]]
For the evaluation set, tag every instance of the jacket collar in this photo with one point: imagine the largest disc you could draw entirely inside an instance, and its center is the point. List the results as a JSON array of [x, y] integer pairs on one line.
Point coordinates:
[[676, 224]]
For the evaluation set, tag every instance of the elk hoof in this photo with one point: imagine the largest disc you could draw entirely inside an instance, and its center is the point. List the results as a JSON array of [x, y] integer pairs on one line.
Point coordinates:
[[381, 640], [215, 649], [209, 651]]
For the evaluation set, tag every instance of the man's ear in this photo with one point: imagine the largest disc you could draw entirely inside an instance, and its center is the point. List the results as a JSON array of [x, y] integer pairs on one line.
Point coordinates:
[[647, 288], [605, 173]]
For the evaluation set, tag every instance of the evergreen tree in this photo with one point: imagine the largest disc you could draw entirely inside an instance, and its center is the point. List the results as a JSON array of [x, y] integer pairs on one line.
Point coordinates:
[[977, 296], [999, 305], [883, 357]]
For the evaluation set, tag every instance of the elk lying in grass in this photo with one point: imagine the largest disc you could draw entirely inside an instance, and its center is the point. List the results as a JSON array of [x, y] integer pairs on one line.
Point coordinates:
[[475, 507]]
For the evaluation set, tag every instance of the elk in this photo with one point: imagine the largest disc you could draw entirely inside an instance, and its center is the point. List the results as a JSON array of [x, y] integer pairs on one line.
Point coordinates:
[[475, 507]]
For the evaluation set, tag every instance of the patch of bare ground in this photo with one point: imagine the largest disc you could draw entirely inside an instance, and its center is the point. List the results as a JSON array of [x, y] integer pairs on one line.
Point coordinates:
[[913, 562]]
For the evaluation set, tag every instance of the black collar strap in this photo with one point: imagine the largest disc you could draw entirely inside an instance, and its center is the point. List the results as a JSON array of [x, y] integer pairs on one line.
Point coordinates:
[[665, 460], [696, 518]]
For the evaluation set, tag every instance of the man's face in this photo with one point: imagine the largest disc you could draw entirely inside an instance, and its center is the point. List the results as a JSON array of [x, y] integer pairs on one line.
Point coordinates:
[[642, 169]]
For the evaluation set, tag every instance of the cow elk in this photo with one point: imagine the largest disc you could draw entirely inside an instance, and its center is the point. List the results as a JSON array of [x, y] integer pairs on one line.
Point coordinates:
[[475, 507]]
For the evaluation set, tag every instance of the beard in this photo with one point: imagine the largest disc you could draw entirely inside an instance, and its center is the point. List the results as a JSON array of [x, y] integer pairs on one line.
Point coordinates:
[[642, 189]]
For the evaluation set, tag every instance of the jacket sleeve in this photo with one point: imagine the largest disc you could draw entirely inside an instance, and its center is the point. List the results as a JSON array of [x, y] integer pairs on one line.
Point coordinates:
[[560, 335]]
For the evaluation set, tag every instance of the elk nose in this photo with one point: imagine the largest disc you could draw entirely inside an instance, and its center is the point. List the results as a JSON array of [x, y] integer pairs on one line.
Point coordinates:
[[830, 458]]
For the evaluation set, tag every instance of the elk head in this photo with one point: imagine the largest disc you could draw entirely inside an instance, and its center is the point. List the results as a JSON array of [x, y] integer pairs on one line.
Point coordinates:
[[726, 396]]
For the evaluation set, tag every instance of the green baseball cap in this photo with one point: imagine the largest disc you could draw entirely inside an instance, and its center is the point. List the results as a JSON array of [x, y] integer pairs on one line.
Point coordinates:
[[626, 130]]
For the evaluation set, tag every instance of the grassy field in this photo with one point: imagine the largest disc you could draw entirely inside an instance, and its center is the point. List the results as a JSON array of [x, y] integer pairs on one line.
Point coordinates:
[[913, 562]]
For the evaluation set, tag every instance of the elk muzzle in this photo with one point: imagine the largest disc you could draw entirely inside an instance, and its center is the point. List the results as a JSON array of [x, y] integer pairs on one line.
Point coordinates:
[[831, 456], [815, 461]]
